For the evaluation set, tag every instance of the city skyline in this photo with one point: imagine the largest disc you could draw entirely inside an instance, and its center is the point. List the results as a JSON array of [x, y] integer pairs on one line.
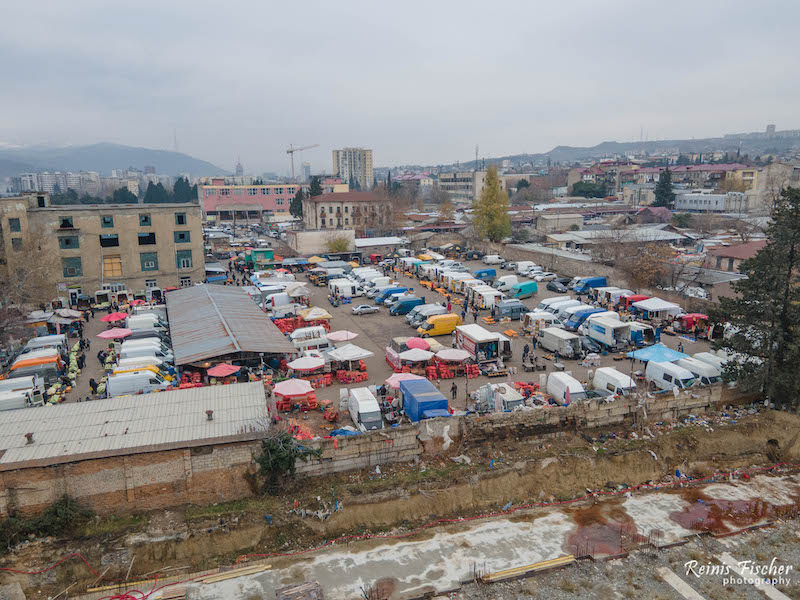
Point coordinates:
[[422, 95]]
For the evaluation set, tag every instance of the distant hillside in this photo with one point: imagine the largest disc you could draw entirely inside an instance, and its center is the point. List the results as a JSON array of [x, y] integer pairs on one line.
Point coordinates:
[[102, 158]]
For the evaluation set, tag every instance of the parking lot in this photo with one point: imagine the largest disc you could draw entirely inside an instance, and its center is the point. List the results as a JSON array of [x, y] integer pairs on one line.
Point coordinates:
[[376, 330]]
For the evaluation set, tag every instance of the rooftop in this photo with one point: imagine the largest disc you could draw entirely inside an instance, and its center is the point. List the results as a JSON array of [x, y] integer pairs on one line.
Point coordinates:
[[379, 241], [740, 251], [207, 321], [131, 425], [346, 197]]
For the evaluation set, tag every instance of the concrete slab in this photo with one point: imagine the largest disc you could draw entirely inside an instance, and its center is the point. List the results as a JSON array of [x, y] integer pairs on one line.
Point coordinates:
[[678, 584], [652, 512], [775, 490]]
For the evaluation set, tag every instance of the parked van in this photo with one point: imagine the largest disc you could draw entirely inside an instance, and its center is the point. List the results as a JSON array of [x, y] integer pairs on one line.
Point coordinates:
[[492, 259], [15, 399], [584, 328], [404, 306], [559, 383], [585, 285], [505, 283], [540, 319], [565, 343], [560, 310], [381, 298], [126, 384], [509, 309], [705, 373], [711, 359], [149, 343], [610, 380], [376, 291], [364, 410], [577, 319], [548, 304], [487, 275], [37, 354], [143, 361], [148, 334], [568, 313], [377, 282], [16, 384], [144, 322], [345, 287], [140, 351], [152, 368], [609, 332], [666, 376], [524, 289], [47, 341], [425, 311], [439, 325], [524, 266]]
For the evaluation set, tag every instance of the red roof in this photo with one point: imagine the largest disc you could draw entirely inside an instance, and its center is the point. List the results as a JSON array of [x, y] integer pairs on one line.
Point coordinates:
[[659, 211], [695, 168], [740, 251], [346, 197]]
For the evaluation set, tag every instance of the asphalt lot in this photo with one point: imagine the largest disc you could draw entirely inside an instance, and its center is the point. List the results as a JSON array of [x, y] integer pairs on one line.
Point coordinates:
[[376, 330]]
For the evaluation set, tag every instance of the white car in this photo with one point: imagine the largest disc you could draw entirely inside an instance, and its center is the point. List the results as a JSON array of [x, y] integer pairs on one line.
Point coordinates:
[[365, 309], [533, 272], [545, 277]]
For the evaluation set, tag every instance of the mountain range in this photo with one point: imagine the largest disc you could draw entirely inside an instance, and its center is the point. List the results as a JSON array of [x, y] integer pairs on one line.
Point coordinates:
[[102, 157]]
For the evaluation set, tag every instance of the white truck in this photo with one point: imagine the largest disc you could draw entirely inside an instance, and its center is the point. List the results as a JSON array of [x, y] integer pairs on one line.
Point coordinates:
[[126, 384], [610, 380], [364, 410], [609, 332], [344, 287], [504, 283], [565, 343], [14, 399]]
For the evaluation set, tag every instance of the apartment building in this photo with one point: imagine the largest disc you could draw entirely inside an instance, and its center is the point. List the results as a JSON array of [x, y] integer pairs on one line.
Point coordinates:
[[465, 185], [354, 164], [351, 210], [711, 201], [115, 247]]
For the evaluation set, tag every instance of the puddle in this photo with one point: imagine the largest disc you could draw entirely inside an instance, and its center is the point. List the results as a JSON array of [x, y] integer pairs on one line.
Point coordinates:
[[716, 515], [604, 529]]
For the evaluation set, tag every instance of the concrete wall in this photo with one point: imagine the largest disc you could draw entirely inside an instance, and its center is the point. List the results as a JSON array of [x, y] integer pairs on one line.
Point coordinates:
[[315, 241]]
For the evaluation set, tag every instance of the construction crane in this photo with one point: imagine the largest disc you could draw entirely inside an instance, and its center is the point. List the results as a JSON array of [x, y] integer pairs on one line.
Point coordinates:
[[291, 150]]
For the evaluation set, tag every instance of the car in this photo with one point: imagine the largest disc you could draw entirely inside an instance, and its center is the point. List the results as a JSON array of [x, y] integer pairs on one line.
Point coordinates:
[[589, 345], [563, 280], [388, 262], [509, 266], [555, 286], [532, 273], [457, 268], [545, 276], [365, 309]]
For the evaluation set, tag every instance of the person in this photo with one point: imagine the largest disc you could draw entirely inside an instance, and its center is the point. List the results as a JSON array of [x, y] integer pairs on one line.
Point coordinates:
[[475, 315], [449, 306], [680, 346], [101, 357], [525, 351], [81, 360], [454, 390], [463, 315], [534, 341]]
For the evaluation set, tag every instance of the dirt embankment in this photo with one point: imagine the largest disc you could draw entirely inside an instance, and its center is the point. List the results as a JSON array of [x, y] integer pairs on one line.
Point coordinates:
[[406, 496]]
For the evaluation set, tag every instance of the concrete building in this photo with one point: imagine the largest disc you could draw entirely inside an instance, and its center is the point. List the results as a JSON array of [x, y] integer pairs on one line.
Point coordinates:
[[711, 201], [355, 164], [351, 210], [558, 222], [729, 258], [465, 185], [316, 241], [379, 245], [114, 247]]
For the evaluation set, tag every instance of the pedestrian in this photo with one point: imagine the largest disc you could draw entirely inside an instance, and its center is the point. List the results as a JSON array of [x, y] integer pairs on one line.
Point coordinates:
[[454, 391], [93, 386], [101, 357], [475, 315], [91, 309], [463, 315], [534, 341], [680, 346], [449, 306], [525, 351], [81, 360]]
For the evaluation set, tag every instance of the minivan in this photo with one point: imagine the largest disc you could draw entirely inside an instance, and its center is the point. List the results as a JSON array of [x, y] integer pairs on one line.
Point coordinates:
[[439, 325], [666, 376], [126, 384], [381, 298]]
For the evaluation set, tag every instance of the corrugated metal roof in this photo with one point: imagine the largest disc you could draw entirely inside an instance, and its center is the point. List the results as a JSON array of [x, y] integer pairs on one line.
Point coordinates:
[[378, 241], [206, 321], [131, 424]]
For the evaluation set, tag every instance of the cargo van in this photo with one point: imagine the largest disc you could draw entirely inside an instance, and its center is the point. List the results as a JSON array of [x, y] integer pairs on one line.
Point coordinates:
[[609, 332], [376, 291], [666, 376], [560, 310], [140, 351], [539, 319], [364, 410], [273, 301], [147, 343], [524, 289], [524, 266], [492, 259], [16, 384], [45, 367], [425, 311], [144, 322], [711, 359], [439, 325], [377, 282], [47, 341], [584, 328], [704, 373], [148, 334], [15, 399], [509, 309], [143, 361], [587, 284], [152, 368], [37, 354], [405, 305], [567, 313], [505, 283], [565, 343], [609, 379], [133, 383], [345, 287], [381, 298], [559, 383], [487, 275], [577, 319], [548, 304]]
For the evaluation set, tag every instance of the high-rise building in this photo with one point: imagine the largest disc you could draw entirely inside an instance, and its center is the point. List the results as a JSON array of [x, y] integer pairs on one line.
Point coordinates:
[[306, 172], [354, 164], [239, 168]]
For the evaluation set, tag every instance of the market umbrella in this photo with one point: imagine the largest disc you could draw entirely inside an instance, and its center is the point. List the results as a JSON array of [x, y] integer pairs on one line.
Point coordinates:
[[394, 381], [349, 352], [115, 316], [416, 355], [315, 313], [137, 302], [68, 313], [306, 363], [454, 354], [115, 333], [342, 336], [222, 370], [416, 342], [293, 387], [315, 259]]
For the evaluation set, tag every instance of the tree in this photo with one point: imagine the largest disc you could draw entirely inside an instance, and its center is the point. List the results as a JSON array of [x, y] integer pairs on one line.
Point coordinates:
[[181, 191], [337, 242], [124, 196], [491, 209], [731, 184], [277, 460], [296, 207], [522, 184], [437, 195], [446, 211], [683, 160], [765, 313], [315, 188], [683, 220], [589, 190], [663, 192]]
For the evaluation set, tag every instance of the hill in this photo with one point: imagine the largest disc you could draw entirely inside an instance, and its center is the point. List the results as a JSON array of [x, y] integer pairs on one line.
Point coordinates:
[[102, 157]]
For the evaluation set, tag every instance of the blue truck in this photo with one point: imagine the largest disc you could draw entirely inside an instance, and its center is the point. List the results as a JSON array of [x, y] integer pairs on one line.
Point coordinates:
[[404, 305], [381, 298], [422, 400], [576, 320], [585, 285], [487, 275]]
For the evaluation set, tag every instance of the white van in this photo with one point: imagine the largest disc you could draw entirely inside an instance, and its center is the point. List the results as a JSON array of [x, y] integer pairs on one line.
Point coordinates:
[[540, 319], [504, 283], [560, 310], [711, 359], [132, 383], [611, 380], [705, 373], [524, 266], [427, 310], [549, 304], [145, 322], [16, 384], [492, 259], [303, 333], [46, 341], [154, 343], [559, 383], [14, 399], [142, 351], [377, 282], [584, 328], [144, 361], [364, 410], [666, 376]]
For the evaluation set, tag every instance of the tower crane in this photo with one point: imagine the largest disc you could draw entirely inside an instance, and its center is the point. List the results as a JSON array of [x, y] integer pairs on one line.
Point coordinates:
[[291, 150]]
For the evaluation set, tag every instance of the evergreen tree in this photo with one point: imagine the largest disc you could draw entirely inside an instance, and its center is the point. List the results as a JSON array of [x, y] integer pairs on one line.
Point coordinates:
[[663, 192], [156, 194], [316, 187], [296, 207], [389, 187], [491, 209], [522, 184], [181, 191], [122, 196], [765, 314]]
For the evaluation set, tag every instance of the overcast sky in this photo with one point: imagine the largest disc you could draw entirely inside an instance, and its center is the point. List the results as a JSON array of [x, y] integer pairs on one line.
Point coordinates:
[[419, 82]]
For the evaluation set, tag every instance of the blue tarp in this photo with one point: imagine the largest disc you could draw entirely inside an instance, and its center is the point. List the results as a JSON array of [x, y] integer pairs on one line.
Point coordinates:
[[421, 396], [213, 278], [344, 432], [657, 353], [436, 412]]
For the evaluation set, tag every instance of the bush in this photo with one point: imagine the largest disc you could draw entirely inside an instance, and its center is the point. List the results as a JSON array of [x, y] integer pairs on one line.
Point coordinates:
[[66, 515]]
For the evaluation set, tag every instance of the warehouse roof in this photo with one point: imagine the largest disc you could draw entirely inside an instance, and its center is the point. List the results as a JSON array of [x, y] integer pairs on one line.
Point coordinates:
[[132, 425], [378, 241], [207, 321]]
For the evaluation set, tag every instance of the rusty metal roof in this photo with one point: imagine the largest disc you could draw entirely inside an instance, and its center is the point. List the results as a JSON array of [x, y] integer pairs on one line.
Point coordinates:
[[207, 321]]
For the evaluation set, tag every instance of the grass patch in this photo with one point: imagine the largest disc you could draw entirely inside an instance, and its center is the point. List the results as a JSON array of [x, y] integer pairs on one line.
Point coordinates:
[[114, 524], [245, 505], [448, 473]]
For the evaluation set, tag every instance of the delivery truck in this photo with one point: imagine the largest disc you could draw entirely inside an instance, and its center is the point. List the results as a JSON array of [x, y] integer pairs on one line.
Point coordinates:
[[609, 332], [364, 410], [483, 345], [422, 400], [554, 339]]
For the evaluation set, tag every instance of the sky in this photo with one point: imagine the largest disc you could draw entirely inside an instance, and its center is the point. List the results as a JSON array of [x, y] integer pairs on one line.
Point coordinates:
[[418, 82]]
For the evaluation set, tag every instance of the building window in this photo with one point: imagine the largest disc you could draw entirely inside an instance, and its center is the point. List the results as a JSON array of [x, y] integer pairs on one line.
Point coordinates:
[[279, 201], [185, 282], [72, 267], [107, 221], [225, 192], [346, 221], [238, 191], [109, 240], [265, 191], [68, 242], [16, 243], [210, 192], [252, 191], [65, 223], [149, 261], [144, 221], [147, 239], [346, 209], [322, 221], [14, 226], [184, 259], [112, 266], [279, 190], [180, 218], [150, 283], [182, 237]]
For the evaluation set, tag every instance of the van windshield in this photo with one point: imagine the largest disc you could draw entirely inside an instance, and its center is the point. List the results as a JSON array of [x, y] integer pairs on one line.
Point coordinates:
[[427, 326], [686, 382]]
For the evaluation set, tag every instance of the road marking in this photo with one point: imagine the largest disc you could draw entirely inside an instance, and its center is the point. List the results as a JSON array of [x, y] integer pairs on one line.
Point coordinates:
[[767, 589], [678, 584]]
